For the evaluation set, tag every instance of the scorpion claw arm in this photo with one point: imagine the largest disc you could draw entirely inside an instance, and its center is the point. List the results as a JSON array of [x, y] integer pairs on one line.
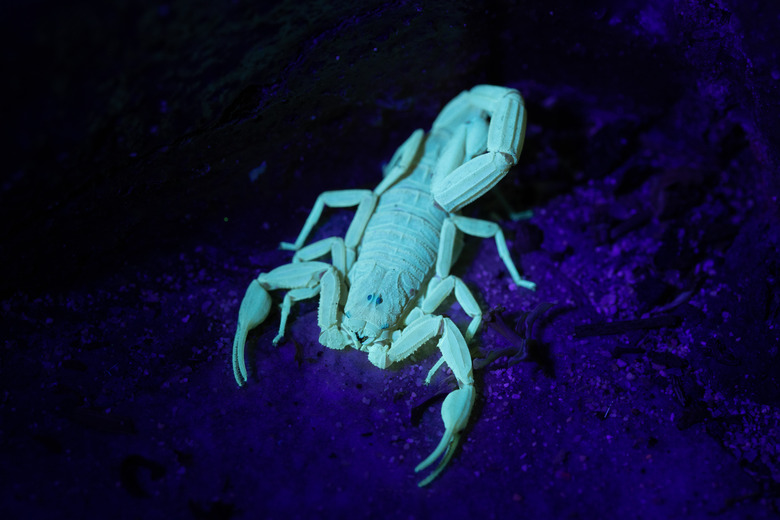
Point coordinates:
[[457, 406], [239, 365], [303, 281], [254, 309], [455, 412]]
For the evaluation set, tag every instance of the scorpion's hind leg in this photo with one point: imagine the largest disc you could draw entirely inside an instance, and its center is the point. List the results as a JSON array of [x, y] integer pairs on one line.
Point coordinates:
[[457, 406], [303, 280]]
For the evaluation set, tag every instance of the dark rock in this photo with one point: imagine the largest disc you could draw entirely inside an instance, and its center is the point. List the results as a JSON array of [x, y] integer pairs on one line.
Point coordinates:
[[676, 251], [528, 237], [130, 474], [621, 327], [652, 291], [667, 359]]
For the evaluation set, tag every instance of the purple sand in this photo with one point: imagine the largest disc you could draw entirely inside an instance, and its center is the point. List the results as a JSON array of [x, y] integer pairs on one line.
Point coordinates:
[[159, 154]]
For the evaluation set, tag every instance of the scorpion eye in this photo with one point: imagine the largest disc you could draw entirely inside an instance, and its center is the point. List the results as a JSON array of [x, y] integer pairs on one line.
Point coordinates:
[[378, 300]]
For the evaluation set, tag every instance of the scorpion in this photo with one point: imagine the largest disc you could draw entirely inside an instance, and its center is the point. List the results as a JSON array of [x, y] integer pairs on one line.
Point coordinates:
[[391, 271]]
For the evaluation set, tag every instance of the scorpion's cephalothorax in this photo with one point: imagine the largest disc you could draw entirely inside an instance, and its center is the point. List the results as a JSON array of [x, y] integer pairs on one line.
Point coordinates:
[[396, 259], [376, 302]]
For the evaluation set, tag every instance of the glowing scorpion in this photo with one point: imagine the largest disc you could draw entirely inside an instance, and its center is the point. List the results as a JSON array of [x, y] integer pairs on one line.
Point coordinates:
[[391, 271]]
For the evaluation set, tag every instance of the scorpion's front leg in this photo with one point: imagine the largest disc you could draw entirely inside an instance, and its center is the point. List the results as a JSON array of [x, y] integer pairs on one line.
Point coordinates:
[[342, 250], [457, 406], [364, 199], [305, 280]]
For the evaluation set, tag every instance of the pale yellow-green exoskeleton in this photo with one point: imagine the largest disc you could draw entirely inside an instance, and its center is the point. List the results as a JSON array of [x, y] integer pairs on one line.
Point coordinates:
[[391, 271]]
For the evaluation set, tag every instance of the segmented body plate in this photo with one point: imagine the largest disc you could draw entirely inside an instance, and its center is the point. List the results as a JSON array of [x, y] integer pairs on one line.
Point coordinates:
[[403, 233]]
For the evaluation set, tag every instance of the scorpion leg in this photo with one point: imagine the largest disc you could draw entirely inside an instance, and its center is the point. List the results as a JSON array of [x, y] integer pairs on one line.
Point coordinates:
[[437, 294], [358, 226], [333, 245], [486, 229], [332, 199], [292, 296], [299, 277], [342, 250]]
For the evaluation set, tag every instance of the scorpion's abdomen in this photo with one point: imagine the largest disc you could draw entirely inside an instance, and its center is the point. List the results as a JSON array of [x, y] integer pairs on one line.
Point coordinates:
[[403, 234]]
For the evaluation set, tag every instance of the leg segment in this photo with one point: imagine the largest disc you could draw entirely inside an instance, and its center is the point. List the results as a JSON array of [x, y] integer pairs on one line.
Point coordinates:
[[293, 295], [333, 199], [333, 245], [437, 292], [441, 290], [342, 250], [479, 228]]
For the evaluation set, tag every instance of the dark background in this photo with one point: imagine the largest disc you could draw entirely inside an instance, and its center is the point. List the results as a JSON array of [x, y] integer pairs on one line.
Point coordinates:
[[155, 154]]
